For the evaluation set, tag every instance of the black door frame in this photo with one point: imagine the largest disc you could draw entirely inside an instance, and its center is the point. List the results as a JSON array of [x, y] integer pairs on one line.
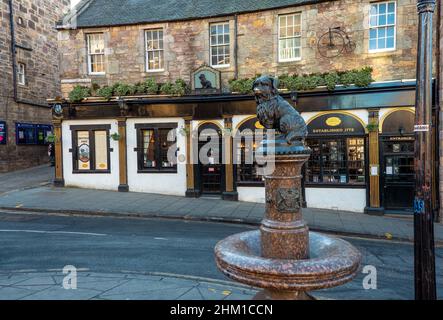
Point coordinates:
[[198, 166], [382, 155]]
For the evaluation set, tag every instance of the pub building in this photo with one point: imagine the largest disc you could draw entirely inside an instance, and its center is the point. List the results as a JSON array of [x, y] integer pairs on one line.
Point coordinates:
[[362, 142]]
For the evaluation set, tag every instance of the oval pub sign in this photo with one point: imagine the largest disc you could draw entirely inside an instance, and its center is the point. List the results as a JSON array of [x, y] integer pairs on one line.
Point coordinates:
[[335, 124]]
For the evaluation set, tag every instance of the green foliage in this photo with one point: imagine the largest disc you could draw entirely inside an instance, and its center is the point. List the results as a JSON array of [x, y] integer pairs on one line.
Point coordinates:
[[105, 92], [122, 89], [115, 136], [166, 88], [359, 78], [243, 86], [150, 86], [79, 93], [51, 138], [139, 88], [178, 88], [372, 127]]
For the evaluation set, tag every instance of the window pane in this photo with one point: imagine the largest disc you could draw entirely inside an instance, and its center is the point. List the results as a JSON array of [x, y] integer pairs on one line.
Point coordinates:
[[373, 44], [101, 150], [373, 21], [382, 8], [167, 153], [373, 33], [382, 32], [148, 149], [382, 20], [390, 31], [381, 43], [84, 156], [391, 7], [390, 42], [374, 9], [356, 160], [391, 19]]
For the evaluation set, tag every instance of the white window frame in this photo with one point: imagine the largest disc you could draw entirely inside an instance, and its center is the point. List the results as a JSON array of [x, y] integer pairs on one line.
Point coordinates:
[[21, 74], [91, 54], [386, 25], [162, 51], [211, 46], [281, 38]]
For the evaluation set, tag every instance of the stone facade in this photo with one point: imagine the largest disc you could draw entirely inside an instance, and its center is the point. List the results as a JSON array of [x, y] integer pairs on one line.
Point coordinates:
[[187, 45], [34, 24]]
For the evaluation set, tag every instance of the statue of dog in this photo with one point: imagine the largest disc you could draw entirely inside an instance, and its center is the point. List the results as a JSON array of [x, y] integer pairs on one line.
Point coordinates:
[[274, 112]]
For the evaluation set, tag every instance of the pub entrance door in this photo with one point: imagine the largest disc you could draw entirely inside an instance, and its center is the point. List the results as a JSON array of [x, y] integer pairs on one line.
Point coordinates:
[[398, 174], [211, 169]]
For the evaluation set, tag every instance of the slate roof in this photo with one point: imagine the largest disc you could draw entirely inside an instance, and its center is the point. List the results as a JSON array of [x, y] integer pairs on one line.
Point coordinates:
[[96, 13]]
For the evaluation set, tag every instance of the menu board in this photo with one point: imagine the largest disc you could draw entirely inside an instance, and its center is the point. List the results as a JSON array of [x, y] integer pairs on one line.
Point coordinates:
[[84, 159], [3, 132]]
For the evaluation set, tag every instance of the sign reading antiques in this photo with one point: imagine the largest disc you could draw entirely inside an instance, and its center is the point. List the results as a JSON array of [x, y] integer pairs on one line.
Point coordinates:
[[3, 132], [206, 80], [335, 123]]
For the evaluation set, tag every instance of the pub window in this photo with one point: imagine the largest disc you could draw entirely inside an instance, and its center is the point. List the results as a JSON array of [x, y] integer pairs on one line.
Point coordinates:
[[21, 74], [382, 20], [154, 50], [248, 170], [91, 149], [220, 44], [156, 148], [96, 53], [289, 37], [336, 161]]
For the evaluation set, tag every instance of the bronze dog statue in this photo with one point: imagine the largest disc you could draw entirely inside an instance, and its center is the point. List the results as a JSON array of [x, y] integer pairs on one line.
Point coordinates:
[[274, 112]]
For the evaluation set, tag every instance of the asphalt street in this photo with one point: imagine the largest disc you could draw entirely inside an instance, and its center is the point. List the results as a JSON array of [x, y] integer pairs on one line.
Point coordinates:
[[111, 245]]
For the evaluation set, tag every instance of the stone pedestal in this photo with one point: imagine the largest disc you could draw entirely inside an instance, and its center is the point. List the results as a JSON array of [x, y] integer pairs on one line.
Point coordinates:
[[284, 234], [283, 257]]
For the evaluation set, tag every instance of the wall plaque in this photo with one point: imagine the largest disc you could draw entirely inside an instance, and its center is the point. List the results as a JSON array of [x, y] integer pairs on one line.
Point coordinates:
[[206, 80]]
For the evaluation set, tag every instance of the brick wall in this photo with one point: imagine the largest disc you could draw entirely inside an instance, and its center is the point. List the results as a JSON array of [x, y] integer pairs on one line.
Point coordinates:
[[35, 29], [187, 45]]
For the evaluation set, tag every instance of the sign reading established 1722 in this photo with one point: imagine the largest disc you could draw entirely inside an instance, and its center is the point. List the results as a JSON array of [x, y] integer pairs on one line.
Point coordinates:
[[335, 123], [3, 132]]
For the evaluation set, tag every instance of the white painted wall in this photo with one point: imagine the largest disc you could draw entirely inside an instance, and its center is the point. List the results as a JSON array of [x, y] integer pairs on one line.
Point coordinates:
[[336, 199], [251, 194], [161, 183], [103, 181], [319, 198]]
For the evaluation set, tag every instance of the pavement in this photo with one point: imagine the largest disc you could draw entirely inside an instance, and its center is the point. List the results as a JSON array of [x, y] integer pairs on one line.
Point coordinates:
[[40, 196], [51, 285]]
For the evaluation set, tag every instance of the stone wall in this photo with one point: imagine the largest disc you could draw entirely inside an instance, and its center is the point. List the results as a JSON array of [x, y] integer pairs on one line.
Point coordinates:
[[34, 23], [187, 45]]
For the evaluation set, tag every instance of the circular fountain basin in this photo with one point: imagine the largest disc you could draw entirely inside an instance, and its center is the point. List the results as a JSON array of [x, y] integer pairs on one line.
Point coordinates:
[[331, 262]]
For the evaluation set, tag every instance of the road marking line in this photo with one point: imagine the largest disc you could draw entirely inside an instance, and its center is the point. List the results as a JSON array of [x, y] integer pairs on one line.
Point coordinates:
[[57, 232]]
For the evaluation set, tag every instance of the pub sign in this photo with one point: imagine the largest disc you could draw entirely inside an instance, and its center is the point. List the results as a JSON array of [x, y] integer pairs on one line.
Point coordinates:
[[3, 132]]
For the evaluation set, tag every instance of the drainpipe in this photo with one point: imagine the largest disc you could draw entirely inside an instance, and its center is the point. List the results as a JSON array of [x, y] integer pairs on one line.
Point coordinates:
[[14, 47], [236, 45], [439, 118]]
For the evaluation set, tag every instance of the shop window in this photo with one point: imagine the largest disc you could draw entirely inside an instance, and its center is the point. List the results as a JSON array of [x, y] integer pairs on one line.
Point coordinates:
[[3, 132], [382, 22], [96, 53], [289, 37], [154, 50], [32, 134], [91, 149], [336, 161], [156, 148], [248, 170], [220, 44]]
